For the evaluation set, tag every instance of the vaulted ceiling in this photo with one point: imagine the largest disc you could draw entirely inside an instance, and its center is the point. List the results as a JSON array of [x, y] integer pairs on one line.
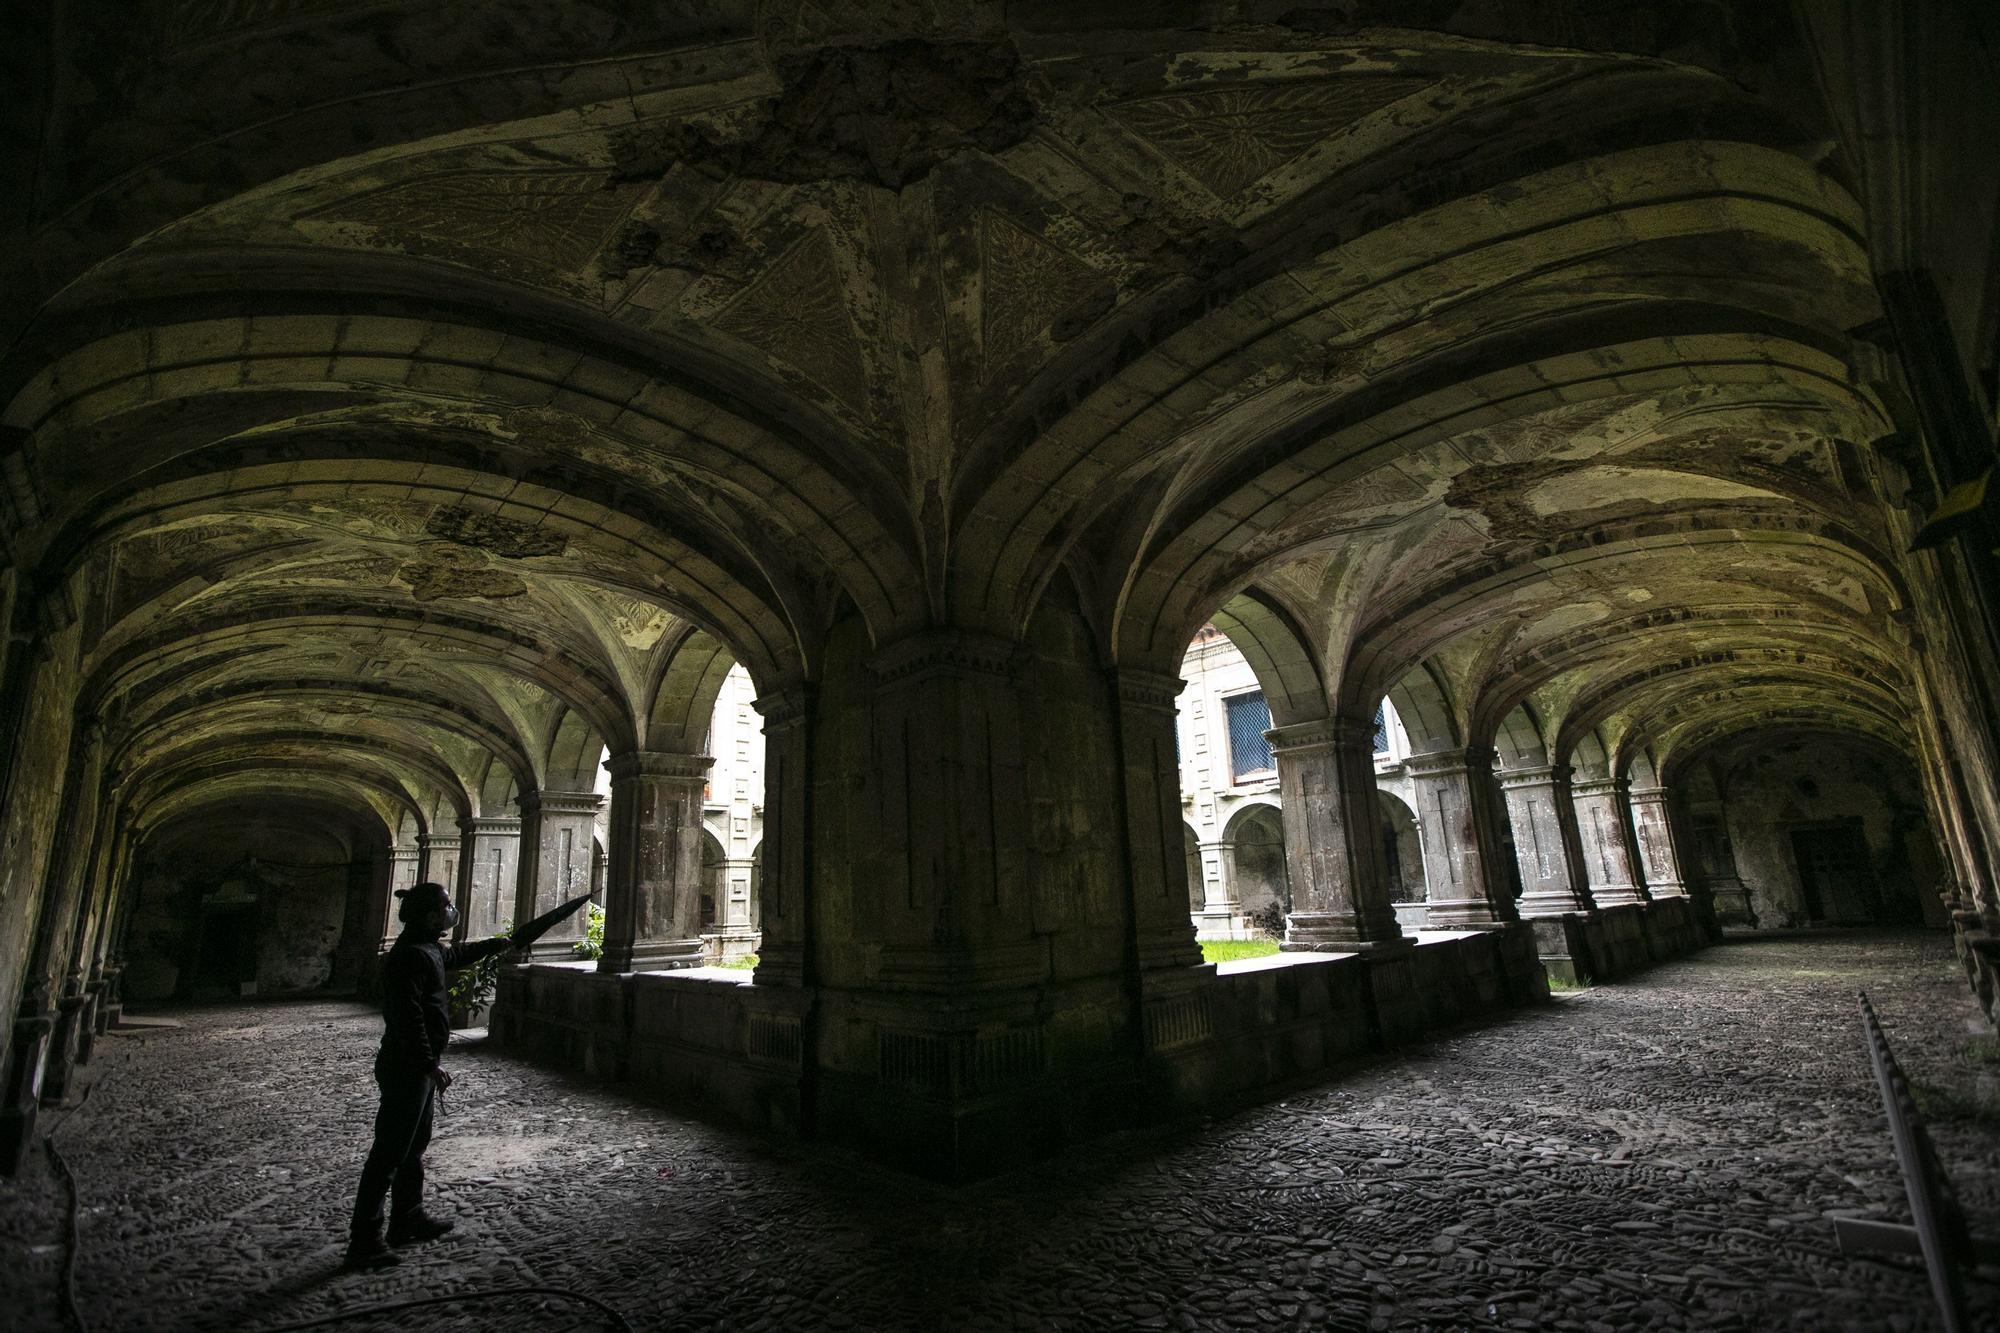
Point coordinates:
[[409, 382]]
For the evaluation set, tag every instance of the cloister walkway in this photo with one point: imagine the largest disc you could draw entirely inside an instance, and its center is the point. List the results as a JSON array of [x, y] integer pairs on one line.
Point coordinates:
[[1663, 1153]]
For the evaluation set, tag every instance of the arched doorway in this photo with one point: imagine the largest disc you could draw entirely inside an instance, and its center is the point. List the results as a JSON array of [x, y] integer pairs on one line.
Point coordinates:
[[1254, 841], [1403, 848]]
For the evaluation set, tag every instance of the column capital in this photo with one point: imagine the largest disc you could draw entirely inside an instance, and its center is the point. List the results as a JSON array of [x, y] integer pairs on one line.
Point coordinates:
[[945, 652], [1320, 734], [537, 803], [1655, 795], [1538, 775], [660, 765], [1601, 787], [1137, 688], [436, 839], [1447, 763], [490, 825], [784, 708]]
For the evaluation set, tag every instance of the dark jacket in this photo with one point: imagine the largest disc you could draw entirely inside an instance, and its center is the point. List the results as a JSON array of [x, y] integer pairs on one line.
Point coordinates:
[[415, 1013]]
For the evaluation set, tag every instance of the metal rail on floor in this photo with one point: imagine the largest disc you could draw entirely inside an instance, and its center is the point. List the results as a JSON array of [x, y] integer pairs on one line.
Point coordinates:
[[1937, 1230]]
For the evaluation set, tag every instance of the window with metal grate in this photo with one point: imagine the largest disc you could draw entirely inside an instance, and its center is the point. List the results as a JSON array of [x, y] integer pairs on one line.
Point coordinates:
[[1249, 719], [1381, 731]]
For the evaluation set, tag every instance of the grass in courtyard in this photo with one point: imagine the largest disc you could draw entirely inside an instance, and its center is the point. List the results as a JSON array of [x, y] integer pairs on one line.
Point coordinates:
[[748, 960], [1562, 983], [1935, 1103], [1228, 951]]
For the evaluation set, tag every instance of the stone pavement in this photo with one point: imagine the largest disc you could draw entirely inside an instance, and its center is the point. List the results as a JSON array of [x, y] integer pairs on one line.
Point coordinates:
[[1659, 1153]]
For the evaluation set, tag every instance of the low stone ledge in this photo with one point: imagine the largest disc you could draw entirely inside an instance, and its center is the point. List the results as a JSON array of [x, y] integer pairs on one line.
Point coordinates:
[[1001, 1077]]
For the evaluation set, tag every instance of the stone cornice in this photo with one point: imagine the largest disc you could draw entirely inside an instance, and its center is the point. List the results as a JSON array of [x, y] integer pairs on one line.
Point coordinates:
[[1442, 763], [1600, 787], [1541, 775], [784, 708], [1137, 688], [945, 652], [1322, 733], [1649, 795], [491, 824], [539, 803], [659, 765], [435, 839]]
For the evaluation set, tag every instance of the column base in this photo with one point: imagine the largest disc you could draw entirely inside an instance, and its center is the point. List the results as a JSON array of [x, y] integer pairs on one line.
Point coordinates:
[[1551, 907], [654, 956], [60, 1062], [23, 1097], [780, 965], [1167, 949], [1462, 914], [1617, 895], [1328, 932]]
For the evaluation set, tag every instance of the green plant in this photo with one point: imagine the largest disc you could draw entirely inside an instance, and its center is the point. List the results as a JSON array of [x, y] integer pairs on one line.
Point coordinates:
[[472, 987], [592, 943]]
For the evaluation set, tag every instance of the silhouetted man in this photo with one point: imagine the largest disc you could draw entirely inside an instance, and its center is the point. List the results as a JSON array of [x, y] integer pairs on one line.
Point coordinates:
[[417, 1021]]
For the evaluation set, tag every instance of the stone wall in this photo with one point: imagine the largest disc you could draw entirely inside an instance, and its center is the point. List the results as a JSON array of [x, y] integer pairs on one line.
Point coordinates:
[[252, 897], [33, 793], [1821, 787]]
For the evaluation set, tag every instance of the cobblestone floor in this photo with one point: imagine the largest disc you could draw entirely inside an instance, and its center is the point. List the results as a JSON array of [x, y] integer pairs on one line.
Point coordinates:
[[1659, 1153]]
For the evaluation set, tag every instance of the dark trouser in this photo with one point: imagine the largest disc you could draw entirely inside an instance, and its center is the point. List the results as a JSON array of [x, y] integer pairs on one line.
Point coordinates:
[[402, 1132]]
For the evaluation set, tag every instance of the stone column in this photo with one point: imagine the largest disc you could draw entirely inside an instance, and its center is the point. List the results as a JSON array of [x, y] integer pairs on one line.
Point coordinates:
[[1607, 853], [440, 858], [786, 887], [652, 892], [1659, 858], [1543, 814], [492, 857], [405, 870], [1220, 904], [1464, 893], [1333, 847], [1715, 862], [556, 832], [1155, 847]]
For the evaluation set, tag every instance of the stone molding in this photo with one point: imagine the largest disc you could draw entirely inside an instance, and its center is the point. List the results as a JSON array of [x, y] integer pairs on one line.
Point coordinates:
[[1648, 795], [1450, 763], [784, 708], [1600, 787], [1137, 688], [434, 841], [1321, 734], [1544, 775], [945, 652], [537, 804], [660, 765], [490, 825]]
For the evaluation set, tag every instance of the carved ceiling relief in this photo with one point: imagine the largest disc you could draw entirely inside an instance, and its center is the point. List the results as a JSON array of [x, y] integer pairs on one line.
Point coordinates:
[[523, 222], [1230, 138], [796, 313], [1029, 288]]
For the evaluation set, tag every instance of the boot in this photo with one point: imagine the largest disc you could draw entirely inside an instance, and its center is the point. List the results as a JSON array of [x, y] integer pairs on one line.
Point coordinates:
[[416, 1227], [366, 1250]]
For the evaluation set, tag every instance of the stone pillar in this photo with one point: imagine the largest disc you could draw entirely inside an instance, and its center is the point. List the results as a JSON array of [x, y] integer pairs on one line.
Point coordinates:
[[1543, 814], [786, 887], [492, 857], [439, 865], [1221, 906], [1155, 847], [1715, 862], [556, 832], [1607, 853], [1452, 813], [1333, 847], [652, 892], [405, 871], [1659, 858]]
